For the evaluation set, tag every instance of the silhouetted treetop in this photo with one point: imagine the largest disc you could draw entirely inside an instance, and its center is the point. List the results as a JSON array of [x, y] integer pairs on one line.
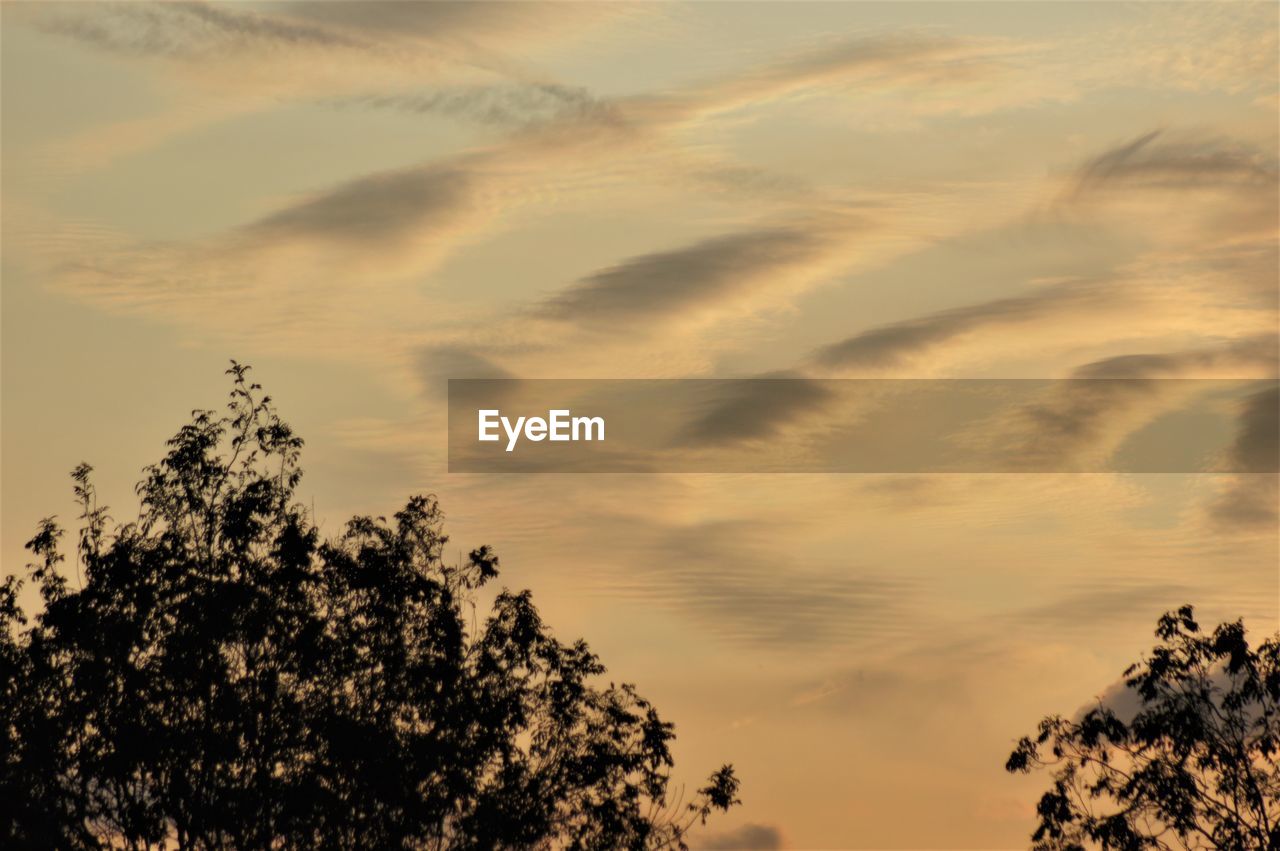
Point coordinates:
[[221, 676], [1184, 757]]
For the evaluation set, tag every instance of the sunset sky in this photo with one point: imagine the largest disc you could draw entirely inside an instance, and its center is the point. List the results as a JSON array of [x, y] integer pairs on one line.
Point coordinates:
[[363, 200]]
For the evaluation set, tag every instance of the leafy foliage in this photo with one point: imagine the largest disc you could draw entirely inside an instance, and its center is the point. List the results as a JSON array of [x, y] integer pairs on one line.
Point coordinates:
[[221, 677], [1194, 767]]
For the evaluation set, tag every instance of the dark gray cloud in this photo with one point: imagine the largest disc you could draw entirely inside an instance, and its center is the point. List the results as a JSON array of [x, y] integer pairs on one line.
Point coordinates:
[[185, 29], [1256, 447], [1260, 351], [894, 345], [1082, 412], [510, 105], [435, 365], [1159, 160], [210, 31], [396, 18], [756, 409], [1251, 500], [1059, 431], [379, 209], [749, 837], [668, 282]]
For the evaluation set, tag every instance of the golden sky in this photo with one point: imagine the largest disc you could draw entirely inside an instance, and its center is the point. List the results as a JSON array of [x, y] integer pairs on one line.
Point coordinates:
[[364, 199]]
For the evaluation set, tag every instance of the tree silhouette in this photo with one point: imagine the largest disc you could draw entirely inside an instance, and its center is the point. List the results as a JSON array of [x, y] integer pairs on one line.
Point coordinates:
[[221, 677], [1185, 757]]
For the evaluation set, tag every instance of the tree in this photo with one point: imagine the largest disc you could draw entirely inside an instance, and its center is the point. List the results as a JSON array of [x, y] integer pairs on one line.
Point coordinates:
[[1184, 757], [221, 677]]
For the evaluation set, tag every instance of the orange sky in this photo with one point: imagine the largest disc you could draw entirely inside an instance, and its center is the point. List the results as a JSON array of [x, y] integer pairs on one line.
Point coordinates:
[[363, 199]]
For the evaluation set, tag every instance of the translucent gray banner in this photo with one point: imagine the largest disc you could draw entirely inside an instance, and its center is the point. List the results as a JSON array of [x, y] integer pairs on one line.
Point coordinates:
[[800, 425]]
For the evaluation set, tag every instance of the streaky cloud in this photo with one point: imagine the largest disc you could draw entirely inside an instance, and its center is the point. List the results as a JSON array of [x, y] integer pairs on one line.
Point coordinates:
[[1251, 501], [509, 105], [180, 30], [724, 577], [894, 345], [711, 271], [1160, 160], [1088, 415], [757, 409], [749, 837], [380, 208]]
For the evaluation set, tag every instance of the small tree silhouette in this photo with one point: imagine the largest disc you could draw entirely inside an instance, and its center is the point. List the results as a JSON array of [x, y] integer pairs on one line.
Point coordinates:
[[1184, 758], [224, 678]]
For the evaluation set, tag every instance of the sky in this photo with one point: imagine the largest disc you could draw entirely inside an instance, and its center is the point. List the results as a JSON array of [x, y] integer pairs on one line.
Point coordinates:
[[363, 200]]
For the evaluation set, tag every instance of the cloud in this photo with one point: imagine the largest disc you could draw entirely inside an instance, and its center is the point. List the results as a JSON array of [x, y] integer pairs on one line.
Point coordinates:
[[894, 345], [757, 409], [710, 272], [749, 837], [387, 227], [1245, 355], [1155, 160], [375, 211], [1144, 181], [395, 18], [439, 363], [1084, 419], [216, 33], [1112, 602], [224, 60], [1251, 501], [883, 61], [877, 63], [1127, 702], [1255, 447], [1198, 47], [188, 29], [724, 576], [433, 367], [285, 280], [507, 105], [907, 344], [400, 222]]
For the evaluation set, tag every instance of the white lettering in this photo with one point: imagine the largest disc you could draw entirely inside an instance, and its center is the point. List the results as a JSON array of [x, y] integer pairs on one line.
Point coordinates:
[[513, 434], [488, 422], [559, 420], [560, 425], [587, 423]]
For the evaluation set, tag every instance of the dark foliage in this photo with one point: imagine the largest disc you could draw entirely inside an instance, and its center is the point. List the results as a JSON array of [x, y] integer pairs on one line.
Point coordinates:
[[1191, 763], [221, 677]]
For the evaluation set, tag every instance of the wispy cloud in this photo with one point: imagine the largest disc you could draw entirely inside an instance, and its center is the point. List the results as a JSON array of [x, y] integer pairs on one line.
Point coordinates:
[[893, 346], [758, 410], [189, 29], [509, 105], [749, 837], [1251, 501], [1086, 418], [722, 576], [399, 223], [716, 271], [1161, 160]]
